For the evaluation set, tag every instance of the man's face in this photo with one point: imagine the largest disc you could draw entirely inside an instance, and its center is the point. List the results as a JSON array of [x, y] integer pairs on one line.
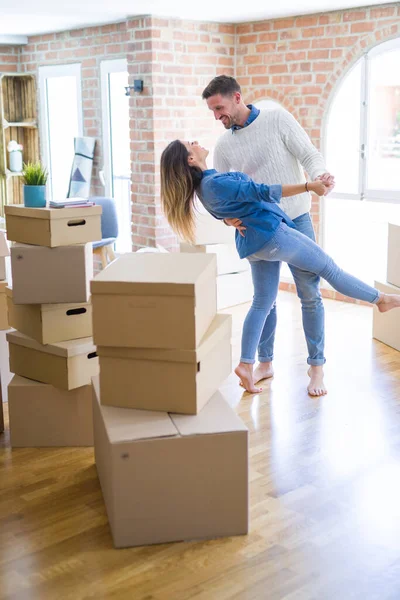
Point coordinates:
[[225, 108]]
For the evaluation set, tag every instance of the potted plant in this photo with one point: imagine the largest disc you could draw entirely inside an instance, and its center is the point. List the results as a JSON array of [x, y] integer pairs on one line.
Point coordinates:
[[35, 178]]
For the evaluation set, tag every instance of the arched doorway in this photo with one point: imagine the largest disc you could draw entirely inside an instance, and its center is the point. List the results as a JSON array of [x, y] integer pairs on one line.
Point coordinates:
[[362, 149]]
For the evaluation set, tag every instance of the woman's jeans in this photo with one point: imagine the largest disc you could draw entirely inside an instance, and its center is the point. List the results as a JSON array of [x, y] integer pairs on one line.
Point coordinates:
[[288, 245]]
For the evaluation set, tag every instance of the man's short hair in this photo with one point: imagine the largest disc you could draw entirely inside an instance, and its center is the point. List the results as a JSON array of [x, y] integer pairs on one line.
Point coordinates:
[[223, 84]]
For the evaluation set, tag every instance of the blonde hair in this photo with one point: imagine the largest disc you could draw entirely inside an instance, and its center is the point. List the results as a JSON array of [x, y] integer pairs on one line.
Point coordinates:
[[178, 185]]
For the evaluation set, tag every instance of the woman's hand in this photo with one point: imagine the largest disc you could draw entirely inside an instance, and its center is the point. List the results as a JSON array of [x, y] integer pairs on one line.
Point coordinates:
[[237, 223], [318, 187]]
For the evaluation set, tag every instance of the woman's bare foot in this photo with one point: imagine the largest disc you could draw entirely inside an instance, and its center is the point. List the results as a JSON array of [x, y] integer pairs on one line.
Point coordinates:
[[264, 370], [316, 387], [245, 373], [387, 302]]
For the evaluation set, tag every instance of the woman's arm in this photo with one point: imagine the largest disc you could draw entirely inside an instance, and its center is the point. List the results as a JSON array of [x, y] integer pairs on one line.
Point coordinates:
[[310, 186]]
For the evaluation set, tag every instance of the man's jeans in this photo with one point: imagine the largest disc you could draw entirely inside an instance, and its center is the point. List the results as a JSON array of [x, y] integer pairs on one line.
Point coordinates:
[[308, 258]]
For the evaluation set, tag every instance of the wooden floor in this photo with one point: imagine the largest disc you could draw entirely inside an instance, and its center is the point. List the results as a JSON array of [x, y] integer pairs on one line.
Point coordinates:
[[324, 490]]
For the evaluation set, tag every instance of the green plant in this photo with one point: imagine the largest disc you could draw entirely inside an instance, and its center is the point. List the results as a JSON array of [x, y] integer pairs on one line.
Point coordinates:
[[34, 174]]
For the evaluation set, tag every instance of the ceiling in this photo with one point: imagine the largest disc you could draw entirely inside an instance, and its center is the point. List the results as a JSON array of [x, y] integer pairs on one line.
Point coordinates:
[[27, 17]]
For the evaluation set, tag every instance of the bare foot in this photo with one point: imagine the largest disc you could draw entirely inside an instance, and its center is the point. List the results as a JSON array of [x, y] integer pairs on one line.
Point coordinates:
[[245, 373], [316, 387], [264, 370], [387, 302]]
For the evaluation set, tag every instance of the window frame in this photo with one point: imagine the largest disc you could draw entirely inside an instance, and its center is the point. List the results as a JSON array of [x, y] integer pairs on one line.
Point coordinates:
[[45, 73]]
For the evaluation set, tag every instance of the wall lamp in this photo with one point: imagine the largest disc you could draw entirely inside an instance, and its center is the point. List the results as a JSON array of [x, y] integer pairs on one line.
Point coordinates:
[[136, 87]]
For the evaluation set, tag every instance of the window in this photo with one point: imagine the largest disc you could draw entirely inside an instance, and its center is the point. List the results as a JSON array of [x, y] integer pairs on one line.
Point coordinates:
[[116, 145], [362, 148], [61, 121]]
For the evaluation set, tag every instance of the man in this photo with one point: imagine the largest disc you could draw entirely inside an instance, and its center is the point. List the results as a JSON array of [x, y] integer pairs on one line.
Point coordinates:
[[272, 147]]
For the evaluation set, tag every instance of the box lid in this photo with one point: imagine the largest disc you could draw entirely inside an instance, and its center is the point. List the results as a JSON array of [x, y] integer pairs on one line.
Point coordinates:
[[216, 417], [144, 274], [125, 424], [64, 349], [4, 249], [51, 214], [219, 328]]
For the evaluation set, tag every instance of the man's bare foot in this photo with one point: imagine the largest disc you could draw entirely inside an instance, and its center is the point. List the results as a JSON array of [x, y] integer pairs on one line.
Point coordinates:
[[245, 373], [316, 387], [387, 302], [264, 370]]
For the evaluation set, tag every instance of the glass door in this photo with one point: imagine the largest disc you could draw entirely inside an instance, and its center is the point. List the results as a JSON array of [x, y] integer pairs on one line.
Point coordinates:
[[116, 145]]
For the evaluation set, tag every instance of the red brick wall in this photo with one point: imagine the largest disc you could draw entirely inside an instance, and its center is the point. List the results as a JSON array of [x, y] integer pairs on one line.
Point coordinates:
[[87, 46], [9, 59], [176, 59], [298, 61]]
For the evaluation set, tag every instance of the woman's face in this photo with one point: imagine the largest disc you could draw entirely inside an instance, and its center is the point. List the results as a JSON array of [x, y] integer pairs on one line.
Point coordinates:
[[196, 152]]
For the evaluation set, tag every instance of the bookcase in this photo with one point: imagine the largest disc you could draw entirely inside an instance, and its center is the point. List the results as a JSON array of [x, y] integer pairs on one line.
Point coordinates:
[[18, 121]]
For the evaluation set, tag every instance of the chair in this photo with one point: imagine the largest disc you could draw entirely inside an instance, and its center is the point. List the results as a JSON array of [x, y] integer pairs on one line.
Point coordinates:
[[109, 229]]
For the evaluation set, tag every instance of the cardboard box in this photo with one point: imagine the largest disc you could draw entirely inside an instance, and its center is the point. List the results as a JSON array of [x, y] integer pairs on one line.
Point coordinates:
[[167, 477], [66, 365], [3, 306], [393, 262], [228, 260], [50, 323], [42, 415], [386, 326], [209, 230], [234, 289], [180, 381], [43, 275], [4, 251], [53, 227], [154, 300]]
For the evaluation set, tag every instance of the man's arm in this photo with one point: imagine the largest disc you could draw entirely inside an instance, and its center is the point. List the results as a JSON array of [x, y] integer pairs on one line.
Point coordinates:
[[300, 145]]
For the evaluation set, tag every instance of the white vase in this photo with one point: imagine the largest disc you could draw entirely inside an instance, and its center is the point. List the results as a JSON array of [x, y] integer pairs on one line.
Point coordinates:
[[15, 161]]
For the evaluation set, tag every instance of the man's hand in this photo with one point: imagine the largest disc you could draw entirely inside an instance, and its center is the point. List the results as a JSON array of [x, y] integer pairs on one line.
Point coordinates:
[[236, 223], [328, 180]]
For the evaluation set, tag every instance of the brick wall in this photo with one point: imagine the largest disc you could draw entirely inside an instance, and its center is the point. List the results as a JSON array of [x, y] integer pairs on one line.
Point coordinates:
[[176, 59], [88, 46], [9, 59]]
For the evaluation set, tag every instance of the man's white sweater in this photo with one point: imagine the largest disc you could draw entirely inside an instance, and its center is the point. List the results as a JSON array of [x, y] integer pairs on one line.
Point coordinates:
[[274, 148]]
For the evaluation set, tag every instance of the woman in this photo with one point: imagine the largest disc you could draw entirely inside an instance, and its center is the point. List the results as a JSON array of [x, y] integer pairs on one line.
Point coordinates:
[[269, 236]]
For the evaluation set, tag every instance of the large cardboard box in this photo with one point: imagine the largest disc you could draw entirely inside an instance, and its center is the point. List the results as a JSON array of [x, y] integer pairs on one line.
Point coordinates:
[[393, 259], [228, 260], [168, 477], [209, 230], [154, 300], [43, 275], [50, 323], [53, 227], [386, 326], [233, 289], [3, 306], [171, 380], [66, 365], [42, 415], [4, 251]]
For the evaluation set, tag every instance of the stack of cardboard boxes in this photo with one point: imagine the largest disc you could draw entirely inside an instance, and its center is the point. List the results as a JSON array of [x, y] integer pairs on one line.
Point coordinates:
[[234, 283], [170, 453], [386, 326], [52, 352]]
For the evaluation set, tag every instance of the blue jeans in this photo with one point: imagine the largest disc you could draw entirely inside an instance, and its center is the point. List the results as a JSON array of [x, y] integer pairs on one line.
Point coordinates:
[[306, 257]]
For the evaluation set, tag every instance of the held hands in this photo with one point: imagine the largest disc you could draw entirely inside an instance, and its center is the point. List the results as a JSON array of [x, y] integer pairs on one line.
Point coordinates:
[[328, 180], [318, 187], [237, 223]]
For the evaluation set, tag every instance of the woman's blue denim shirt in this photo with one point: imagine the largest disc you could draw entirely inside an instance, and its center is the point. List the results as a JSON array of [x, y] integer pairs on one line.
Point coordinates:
[[236, 195]]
